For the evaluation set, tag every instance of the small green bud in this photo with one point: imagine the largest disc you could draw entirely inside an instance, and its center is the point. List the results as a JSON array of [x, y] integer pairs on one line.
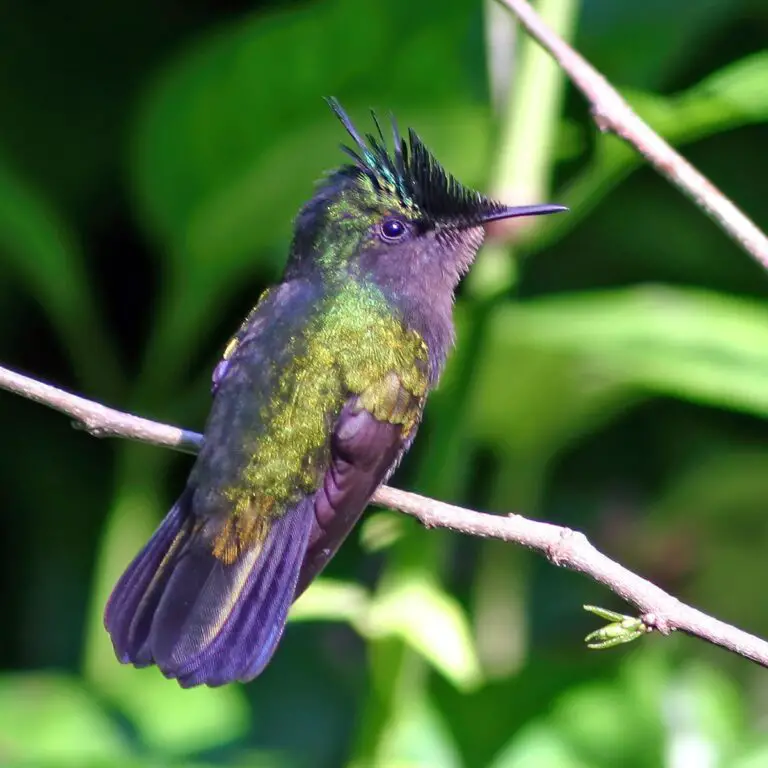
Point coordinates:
[[622, 629]]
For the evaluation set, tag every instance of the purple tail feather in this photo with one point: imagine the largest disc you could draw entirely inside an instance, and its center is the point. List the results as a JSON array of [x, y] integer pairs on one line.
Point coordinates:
[[200, 620]]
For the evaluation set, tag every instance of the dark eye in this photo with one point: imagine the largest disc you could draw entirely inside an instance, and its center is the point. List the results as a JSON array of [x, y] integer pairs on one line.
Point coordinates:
[[393, 229]]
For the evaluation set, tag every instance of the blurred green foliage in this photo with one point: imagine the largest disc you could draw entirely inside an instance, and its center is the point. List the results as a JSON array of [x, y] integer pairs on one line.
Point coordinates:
[[152, 155]]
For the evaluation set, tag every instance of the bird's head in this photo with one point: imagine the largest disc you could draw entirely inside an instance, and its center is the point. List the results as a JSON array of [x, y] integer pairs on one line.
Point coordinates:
[[394, 214]]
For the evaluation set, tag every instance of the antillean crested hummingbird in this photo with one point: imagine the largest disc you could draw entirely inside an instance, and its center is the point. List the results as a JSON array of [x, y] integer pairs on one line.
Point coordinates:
[[316, 399]]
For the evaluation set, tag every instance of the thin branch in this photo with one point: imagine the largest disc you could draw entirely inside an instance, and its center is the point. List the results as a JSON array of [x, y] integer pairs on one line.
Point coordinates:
[[561, 546], [98, 420], [613, 114], [572, 550]]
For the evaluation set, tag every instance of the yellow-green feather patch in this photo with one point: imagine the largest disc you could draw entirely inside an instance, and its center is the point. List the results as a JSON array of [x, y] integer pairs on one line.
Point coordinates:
[[354, 346]]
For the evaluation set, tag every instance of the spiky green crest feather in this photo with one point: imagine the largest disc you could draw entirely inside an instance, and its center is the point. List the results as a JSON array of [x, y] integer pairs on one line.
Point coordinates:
[[413, 175]]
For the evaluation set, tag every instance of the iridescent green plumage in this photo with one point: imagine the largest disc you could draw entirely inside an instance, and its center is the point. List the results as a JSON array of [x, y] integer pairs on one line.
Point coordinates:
[[353, 344], [318, 396]]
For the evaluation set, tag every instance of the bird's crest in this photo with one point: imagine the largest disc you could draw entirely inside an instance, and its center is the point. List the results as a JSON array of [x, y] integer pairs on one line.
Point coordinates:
[[412, 173]]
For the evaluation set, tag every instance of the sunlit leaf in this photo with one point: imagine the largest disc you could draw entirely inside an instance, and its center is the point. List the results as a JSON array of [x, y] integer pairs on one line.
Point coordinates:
[[332, 600], [432, 623], [600, 724], [704, 717], [603, 724], [381, 530], [413, 609], [417, 737], [568, 361], [173, 720], [738, 87], [539, 746], [53, 717], [754, 757]]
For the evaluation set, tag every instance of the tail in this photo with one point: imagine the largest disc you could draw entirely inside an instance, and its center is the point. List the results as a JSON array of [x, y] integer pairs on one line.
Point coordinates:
[[200, 620]]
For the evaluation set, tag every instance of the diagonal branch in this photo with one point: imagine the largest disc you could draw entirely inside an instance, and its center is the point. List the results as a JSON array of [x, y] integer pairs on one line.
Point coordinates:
[[613, 114], [97, 419], [561, 546]]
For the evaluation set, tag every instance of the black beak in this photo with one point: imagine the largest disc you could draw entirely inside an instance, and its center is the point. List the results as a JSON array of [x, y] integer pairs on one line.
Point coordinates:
[[513, 212]]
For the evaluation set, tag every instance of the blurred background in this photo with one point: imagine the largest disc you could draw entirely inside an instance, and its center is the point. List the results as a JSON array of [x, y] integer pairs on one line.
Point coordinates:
[[611, 375]]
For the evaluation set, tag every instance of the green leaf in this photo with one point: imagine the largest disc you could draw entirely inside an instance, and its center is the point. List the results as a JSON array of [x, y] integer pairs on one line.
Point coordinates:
[[413, 609], [173, 720], [53, 717], [616, 721], [39, 250], [431, 622], [754, 757], [606, 724], [381, 530], [738, 88], [332, 600], [694, 715], [702, 705], [417, 737], [648, 43], [569, 362], [538, 746], [550, 396]]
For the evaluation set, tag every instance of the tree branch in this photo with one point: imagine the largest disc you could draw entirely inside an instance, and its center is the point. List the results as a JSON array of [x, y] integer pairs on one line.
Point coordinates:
[[98, 420], [561, 546], [613, 114]]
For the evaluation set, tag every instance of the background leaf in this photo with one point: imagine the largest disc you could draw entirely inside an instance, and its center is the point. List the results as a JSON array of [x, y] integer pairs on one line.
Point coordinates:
[[576, 358], [46, 717], [433, 624], [38, 249]]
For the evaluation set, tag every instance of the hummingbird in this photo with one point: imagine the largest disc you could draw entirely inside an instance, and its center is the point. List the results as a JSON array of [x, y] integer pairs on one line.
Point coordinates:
[[316, 399]]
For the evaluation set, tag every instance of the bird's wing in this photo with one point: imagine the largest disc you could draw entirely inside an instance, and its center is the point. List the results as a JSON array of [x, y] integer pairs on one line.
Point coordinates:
[[373, 430]]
